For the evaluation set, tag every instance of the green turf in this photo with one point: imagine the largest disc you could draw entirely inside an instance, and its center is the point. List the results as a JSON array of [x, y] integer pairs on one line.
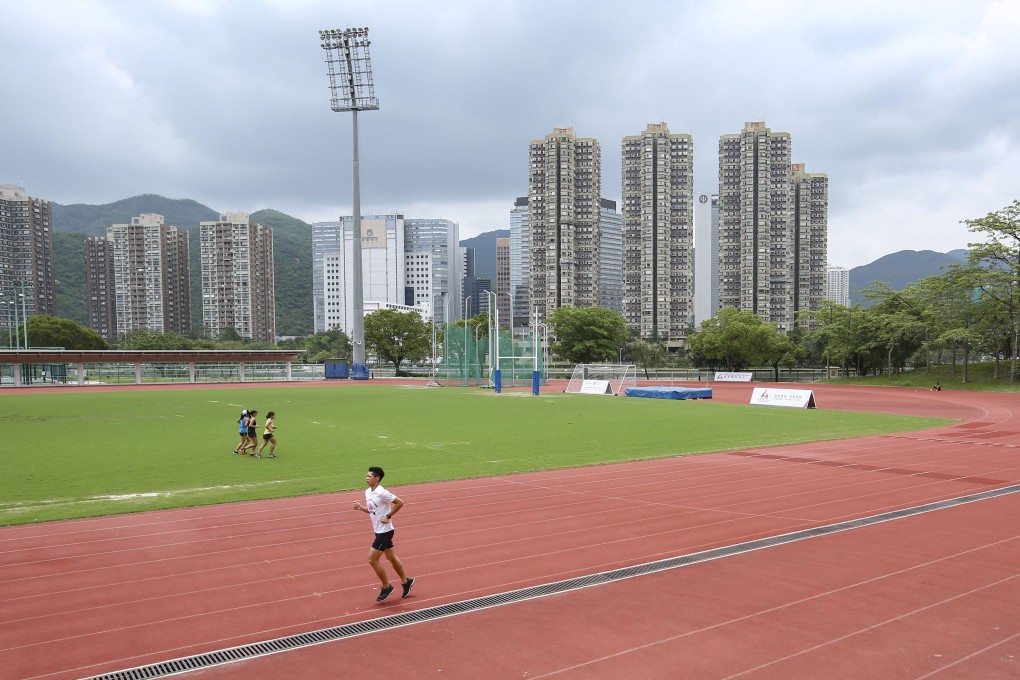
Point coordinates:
[[980, 377], [81, 454]]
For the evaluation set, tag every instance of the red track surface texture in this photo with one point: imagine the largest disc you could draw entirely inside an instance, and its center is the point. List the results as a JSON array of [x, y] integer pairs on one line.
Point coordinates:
[[931, 596]]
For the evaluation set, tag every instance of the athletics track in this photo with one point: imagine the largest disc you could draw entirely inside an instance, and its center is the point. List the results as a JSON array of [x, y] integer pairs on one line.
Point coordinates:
[[927, 595]]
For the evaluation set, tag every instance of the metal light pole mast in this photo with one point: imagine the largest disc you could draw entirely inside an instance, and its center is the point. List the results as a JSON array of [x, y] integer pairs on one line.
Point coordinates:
[[24, 312], [350, 81]]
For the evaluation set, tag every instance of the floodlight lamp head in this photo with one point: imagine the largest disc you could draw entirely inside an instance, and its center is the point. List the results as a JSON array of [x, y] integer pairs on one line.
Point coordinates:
[[350, 69]]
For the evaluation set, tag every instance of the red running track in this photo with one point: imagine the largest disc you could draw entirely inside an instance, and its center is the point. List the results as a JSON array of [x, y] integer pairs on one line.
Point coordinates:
[[929, 596]]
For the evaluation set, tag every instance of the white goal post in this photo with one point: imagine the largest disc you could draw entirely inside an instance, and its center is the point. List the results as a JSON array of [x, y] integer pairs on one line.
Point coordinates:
[[602, 378]]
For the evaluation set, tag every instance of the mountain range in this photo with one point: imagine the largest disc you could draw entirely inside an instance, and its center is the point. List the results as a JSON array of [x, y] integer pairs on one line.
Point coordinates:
[[292, 239], [901, 269]]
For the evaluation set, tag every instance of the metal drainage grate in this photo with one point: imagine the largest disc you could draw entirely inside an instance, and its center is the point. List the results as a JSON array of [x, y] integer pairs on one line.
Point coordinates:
[[224, 656]]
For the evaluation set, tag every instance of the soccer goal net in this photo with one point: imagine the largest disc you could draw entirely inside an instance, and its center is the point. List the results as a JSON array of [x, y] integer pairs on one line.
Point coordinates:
[[602, 378]]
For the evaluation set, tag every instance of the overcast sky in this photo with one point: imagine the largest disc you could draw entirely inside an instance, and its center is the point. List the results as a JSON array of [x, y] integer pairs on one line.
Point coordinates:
[[911, 107]]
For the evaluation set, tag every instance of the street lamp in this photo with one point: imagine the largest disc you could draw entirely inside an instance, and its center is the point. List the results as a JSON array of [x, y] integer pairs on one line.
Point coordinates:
[[350, 82]]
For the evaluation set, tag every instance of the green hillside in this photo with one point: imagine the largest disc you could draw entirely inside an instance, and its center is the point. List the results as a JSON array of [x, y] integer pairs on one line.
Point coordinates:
[[292, 241], [92, 220]]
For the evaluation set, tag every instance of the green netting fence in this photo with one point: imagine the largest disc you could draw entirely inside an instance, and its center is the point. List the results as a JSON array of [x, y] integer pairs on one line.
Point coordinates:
[[466, 359]]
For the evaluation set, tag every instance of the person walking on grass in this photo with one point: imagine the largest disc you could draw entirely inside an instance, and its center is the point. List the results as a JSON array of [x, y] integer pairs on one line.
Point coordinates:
[[381, 505], [242, 423], [267, 435]]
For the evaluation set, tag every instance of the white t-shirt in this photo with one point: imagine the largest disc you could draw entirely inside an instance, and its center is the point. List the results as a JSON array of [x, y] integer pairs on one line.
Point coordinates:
[[379, 502]]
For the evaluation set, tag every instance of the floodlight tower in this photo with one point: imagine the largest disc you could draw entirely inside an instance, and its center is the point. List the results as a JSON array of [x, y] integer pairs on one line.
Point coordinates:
[[350, 81]]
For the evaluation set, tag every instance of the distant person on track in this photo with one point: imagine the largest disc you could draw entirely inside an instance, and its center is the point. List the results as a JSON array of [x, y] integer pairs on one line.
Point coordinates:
[[253, 434], [937, 387], [267, 435], [242, 423], [381, 505]]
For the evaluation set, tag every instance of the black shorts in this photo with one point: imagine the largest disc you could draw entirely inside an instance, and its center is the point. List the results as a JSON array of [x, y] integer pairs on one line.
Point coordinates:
[[266, 437], [252, 433], [383, 542]]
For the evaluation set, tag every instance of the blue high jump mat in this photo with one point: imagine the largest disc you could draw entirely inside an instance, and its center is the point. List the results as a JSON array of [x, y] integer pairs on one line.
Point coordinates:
[[669, 392]]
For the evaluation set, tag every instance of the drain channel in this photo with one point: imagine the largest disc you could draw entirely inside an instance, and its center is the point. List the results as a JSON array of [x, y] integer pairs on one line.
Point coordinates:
[[224, 656]]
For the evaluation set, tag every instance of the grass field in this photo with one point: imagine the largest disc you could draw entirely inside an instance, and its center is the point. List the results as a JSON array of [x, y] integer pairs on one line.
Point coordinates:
[[81, 454], [980, 377]]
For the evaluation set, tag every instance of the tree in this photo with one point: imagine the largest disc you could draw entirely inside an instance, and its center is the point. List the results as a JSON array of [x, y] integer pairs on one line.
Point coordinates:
[[229, 334], [52, 331], [646, 354], [143, 338], [398, 336], [321, 346], [586, 335], [999, 259], [782, 350], [733, 339], [835, 335]]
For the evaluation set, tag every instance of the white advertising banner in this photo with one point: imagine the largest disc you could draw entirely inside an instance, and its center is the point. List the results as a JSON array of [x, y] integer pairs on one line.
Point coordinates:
[[595, 387], [721, 376], [771, 396]]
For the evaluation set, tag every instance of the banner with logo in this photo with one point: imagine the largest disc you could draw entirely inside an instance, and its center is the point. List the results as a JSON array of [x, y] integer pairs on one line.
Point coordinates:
[[722, 376], [771, 396], [596, 387]]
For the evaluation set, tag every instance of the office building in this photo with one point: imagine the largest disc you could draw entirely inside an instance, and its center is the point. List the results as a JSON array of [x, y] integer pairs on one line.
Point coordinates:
[[706, 257], [238, 282], [564, 184], [431, 252], [151, 272], [658, 234], [504, 297], [520, 261], [610, 256], [772, 227], [26, 257], [382, 268]]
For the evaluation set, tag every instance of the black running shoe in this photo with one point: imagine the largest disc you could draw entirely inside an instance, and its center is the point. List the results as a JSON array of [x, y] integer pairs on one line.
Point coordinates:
[[384, 593], [407, 586]]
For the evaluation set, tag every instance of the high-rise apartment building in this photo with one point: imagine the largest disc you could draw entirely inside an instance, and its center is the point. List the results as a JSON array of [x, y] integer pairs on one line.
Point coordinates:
[[520, 260], [837, 285], [100, 287], [772, 227], [151, 276], [26, 256], [706, 257], [382, 268], [238, 281], [564, 183], [811, 237], [658, 234], [432, 268]]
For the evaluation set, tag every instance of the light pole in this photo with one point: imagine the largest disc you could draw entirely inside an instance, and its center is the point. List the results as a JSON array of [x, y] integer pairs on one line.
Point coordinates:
[[434, 382], [24, 312], [12, 323], [513, 351], [545, 343], [496, 379], [463, 353], [350, 81]]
